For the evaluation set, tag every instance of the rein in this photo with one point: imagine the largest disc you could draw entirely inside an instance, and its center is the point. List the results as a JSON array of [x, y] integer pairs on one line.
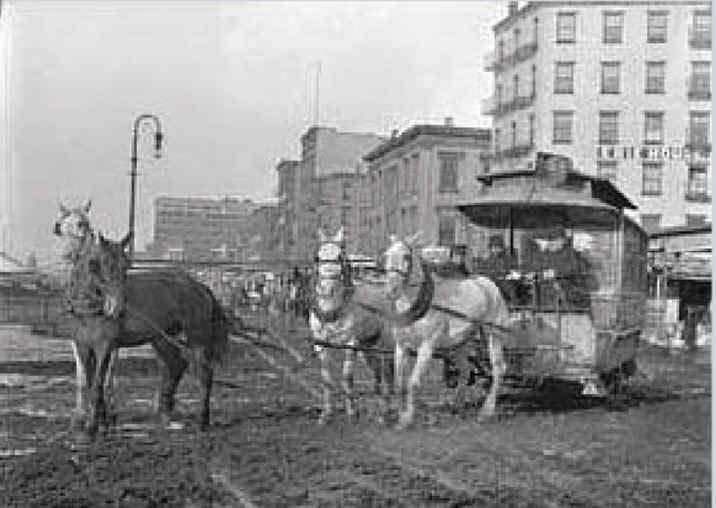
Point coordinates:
[[422, 303]]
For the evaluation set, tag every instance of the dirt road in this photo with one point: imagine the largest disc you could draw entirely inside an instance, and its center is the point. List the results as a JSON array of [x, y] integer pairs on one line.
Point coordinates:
[[265, 449]]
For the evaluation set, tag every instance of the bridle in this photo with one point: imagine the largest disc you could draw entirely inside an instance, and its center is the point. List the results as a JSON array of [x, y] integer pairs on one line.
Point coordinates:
[[405, 268], [340, 274]]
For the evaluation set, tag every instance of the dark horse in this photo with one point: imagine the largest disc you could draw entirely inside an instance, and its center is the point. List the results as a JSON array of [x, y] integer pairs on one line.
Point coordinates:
[[111, 308]]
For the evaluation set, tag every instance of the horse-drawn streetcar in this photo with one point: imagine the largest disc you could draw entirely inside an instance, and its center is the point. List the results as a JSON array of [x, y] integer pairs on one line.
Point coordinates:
[[572, 269]]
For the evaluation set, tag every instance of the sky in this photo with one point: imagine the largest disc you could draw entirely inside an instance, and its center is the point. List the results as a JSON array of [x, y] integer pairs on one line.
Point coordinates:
[[233, 84]]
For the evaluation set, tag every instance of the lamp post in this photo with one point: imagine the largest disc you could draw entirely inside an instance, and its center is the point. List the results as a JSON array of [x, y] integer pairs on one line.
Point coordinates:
[[133, 174]]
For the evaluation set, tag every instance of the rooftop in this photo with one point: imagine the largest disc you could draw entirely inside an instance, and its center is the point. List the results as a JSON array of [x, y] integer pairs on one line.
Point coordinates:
[[681, 230], [480, 135]]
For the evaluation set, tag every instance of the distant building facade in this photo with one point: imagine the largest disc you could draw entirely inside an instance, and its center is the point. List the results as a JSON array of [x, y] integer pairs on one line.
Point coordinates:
[[288, 172], [264, 233], [413, 182], [326, 185], [622, 87], [201, 229]]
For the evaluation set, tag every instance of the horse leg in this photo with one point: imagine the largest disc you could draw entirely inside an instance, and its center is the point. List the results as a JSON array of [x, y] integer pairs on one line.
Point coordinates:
[[383, 375], [347, 383], [425, 354], [84, 365], [206, 377], [172, 367], [103, 352], [112, 385], [327, 387], [498, 368], [400, 364]]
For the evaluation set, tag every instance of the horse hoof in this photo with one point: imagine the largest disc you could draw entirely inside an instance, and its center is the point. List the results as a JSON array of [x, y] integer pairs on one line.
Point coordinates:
[[174, 425], [485, 417], [403, 422]]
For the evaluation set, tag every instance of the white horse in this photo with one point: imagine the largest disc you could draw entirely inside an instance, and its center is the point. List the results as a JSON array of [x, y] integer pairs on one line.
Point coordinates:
[[445, 314], [73, 227], [335, 318]]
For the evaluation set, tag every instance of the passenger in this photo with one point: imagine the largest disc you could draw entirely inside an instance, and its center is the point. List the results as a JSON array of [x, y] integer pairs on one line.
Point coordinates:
[[498, 265], [557, 261]]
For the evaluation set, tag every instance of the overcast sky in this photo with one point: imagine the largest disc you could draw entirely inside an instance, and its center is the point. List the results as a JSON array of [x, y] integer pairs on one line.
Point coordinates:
[[232, 83]]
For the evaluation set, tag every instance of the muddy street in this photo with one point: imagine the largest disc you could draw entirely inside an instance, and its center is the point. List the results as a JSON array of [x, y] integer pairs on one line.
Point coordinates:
[[265, 449]]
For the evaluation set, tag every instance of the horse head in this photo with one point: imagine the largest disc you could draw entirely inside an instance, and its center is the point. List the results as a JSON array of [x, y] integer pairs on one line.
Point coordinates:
[[73, 226], [332, 269], [109, 263], [398, 259]]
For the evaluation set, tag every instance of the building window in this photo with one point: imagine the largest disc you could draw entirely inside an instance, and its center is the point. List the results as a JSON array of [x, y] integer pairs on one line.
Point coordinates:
[[656, 26], [497, 142], [446, 229], [448, 172], [517, 38], [700, 36], [415, 159], [653, 128], [613, 23], [534, 80], [651, 178], [566, 27], [607, 170], [697, 185], [532, 129], [655, 72], [500, 51], [564, 77], [693, 219], [347, 191], [515, 87], [611, 72], [514, 134], [536, 31], [699, 136], [700, 82], [651, 222], [608, 127], [562, 127]]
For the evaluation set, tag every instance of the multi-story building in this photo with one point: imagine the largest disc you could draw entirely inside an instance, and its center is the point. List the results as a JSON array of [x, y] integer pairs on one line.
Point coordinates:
[[330, 159], [287, 227], [336, 205], [414, 181], [622, 87], [200, 229]]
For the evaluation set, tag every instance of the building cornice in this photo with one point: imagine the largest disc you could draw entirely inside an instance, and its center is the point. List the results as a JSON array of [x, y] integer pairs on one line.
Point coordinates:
[[480, 135], [507, 22]]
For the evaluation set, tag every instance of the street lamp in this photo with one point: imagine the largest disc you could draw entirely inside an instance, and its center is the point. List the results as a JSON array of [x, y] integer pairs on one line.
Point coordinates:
[[158, 136]]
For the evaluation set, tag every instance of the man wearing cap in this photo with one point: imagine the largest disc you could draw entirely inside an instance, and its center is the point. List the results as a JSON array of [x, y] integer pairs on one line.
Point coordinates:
[[498, 264]]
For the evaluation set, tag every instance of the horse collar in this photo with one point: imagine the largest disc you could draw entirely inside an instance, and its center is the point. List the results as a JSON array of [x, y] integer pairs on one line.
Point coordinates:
[[422, 303], [333, 315]]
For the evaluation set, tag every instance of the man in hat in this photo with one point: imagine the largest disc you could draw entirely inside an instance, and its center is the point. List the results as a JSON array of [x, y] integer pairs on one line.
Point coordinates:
[[564, 272], [499, 264]]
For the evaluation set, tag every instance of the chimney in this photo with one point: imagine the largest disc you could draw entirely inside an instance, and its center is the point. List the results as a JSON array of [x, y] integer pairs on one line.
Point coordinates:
[[448, 121], [512, 8]]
